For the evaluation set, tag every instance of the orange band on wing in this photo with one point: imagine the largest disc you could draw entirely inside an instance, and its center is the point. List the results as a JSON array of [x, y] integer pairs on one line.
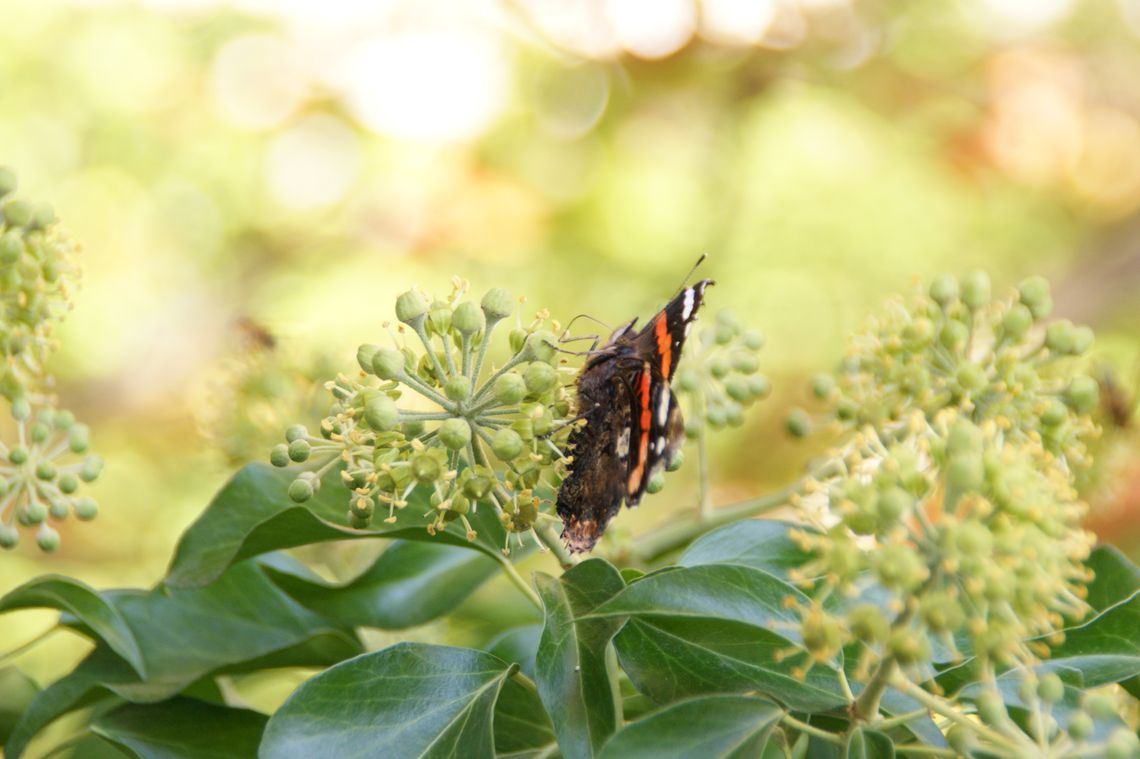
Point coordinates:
[[634, 481], [664, 345]]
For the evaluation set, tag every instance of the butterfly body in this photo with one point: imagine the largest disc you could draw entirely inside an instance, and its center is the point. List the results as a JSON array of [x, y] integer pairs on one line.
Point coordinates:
[[633, 426]]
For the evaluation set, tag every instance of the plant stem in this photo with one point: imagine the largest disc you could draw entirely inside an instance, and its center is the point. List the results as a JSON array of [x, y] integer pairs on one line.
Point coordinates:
[[418, 327], [520, 583], [804, 727], [866, 706], [927, 750], [900, 719], [483, 350], [554, 543], [946, 709]]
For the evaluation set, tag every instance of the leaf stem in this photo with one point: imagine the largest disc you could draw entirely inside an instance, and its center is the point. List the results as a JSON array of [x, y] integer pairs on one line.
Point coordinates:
[[520, 583], [804, 727], [946, 709], [418, 327], [546, 534], [927, 750]]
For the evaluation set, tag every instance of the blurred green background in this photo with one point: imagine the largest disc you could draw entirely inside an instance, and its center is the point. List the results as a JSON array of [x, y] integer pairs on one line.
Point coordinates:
[[254, 168]]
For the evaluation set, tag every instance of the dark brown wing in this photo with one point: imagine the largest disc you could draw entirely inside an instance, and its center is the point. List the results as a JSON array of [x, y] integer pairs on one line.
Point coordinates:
[[592, 493]]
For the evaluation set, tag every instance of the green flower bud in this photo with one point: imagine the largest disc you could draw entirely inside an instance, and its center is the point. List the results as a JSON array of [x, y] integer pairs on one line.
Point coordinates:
[[759, 386], [455, 433], [540, 377], [1082, 394], [68, 484], [753, 340], [11, 248], [719, 367], [299, 451], [517, 339], [1017, 321], [944, 290], [1060, 337], [459, 504], [497, 304], [381, 414], [439, 318], [976, 290], [364, 355], [58, 508], [458, 388], [47, 539], [1054, 414], [18, 455], [296, 432], [1081, 726], [1122, 744], [478, 487], [964, 437], [656, 483], [541, 346], [908, 646], [21, 409], [9, 536], [92, 467], [716, 417], [798, 423], [1034, 293], [387, 363], [823, 386], [279, 455], [991, 709], [1050, 689], [524, 427], [1083, 339], [941, 612], [43, 216], [507, 444], [918, 333], [867, 623], [362, 506], [8, 181], [426, 468], [676, 462], [85, 508], [971, 378], [45, 471], [468, 319], [899, 567], [18, 213], [954, 335], [965, 473], [509, 388], [723, 335], [687, 380], [31, 513], [821, 633], [737, 389], [1100, 707], [39, 432], [893, 504], [411, 307], [78, 438], [300, 490]]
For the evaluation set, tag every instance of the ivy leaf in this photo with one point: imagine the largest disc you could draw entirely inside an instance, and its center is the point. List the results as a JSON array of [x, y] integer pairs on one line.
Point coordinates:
[[409, 584], [19, 690], [83, 603], [869, 744], [252, 514], [573, 678], [669, 658], [710, 727], [718, 591], [175, 729], [409, 700], [1116, 578], [758, 543], [238, 623], [518, 645], [522, 727]]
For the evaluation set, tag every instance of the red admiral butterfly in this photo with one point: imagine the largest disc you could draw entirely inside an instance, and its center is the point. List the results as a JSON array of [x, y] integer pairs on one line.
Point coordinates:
[[633, 422]]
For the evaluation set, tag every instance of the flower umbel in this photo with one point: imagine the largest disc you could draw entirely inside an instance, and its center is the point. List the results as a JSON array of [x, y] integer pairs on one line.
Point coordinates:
[[421, 414]]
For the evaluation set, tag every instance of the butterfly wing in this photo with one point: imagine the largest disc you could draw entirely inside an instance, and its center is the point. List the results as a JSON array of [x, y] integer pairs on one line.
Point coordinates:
[[657, 426]]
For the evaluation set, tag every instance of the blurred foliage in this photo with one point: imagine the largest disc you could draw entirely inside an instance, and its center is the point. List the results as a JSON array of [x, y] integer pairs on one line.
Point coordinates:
[[294, 165]]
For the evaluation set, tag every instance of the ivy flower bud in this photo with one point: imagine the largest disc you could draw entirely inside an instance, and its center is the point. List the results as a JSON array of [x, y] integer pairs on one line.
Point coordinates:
[[387, 363], [510, 388], [8, 181], [507, 444], [798, 423], [85, 508], [439, 318], [497, 304], [976, 290], [1034, 293], [1017, 321], [9, 536], [455, 433], [1081, 726], [1050, 689], [426, 468], [944, 290], [47, 539], [468, 319], [867, 623], [381, 414], [299, 450], [1060, 337], [296, 432], [18, 455], [458, 388], [410, 307], [908, 646], [279, 455], [364, 355], [540, 346], [540, 377], [18, 213], [822, 386], [1082, 394], [300, 490]]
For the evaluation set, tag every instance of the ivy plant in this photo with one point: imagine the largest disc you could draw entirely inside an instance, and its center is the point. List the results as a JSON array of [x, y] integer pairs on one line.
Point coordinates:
[[931, 593]]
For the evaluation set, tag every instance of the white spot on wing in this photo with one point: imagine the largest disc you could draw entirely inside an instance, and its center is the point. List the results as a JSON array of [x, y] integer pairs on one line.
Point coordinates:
[[687, 310], [623, 444], [663, 405], [660, 444]]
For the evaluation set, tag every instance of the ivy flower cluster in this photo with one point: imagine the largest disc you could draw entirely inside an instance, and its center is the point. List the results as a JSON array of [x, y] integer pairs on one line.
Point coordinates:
[[949, 524], [721, 376], [42, 470], [421, 414]]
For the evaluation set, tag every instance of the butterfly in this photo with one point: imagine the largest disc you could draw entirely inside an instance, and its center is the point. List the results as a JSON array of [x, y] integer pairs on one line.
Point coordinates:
[[633, 423]]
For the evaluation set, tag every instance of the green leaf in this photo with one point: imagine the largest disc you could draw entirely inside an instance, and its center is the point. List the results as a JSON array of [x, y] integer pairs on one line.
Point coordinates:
[[869, 744], [573, 677], [669, 658], [522, 727], [183, 728], [252, 514], [757, 543], [240, 622], [410, 700], [1116, 579], [518, 645], [409, 584], [709, 727], [19, 690], [86, 605], [720, 591]]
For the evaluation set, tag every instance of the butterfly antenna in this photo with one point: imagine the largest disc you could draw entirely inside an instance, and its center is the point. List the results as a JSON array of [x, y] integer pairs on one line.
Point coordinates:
[[569, 324], [690, 274]]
